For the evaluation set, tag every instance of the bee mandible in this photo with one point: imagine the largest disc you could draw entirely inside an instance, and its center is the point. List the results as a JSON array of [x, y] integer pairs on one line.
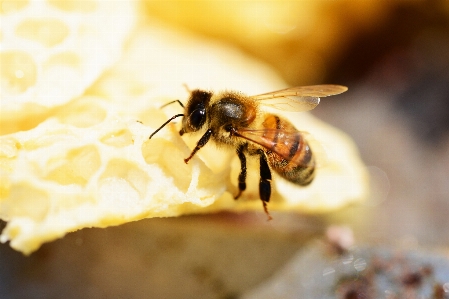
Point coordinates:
[[237, 121]]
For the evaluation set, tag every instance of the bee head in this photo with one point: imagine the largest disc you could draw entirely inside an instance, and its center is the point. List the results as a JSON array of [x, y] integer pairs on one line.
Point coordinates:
[[195, 111]]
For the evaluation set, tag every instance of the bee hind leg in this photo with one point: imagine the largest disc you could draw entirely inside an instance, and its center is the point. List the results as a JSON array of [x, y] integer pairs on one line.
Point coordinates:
[[265, 183], [242, 176]]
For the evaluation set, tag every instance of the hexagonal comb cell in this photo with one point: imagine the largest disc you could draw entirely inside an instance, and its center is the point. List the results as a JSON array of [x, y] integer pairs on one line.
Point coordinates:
[[48, 32], [76, 167], [128, 175], [118, 138], [17, 203], [82, 113], [12, 6], [18, 71], [171, 160]]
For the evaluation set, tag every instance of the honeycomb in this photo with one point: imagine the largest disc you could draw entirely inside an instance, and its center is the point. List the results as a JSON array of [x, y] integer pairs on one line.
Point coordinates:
[[85, 159], [51, 51]]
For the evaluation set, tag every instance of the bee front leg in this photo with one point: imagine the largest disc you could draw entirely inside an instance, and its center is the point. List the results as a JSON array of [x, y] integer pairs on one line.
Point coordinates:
[[204, 139], [242, 176], [265, 183]]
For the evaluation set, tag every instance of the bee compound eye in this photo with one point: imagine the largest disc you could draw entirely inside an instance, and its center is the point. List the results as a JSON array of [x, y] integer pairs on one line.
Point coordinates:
[[197, 118]]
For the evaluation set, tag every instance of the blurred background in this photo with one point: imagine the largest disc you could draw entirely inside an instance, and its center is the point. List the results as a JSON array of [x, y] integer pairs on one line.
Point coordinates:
[[393, 56]]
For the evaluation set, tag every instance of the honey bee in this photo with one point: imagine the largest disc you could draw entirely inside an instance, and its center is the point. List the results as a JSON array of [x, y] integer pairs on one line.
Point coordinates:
[[237, 121]]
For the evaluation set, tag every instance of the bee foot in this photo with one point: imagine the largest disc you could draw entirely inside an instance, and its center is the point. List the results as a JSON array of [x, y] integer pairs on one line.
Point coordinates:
[[265, 208], [238, 195]]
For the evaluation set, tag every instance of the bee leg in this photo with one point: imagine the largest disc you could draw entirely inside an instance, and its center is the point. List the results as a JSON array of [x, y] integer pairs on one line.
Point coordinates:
[[242, 176], [265, 183], [204, 139]]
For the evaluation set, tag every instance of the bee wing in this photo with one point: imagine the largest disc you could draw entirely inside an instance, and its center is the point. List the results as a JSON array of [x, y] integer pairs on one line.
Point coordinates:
[[284, 143], [300, 98]]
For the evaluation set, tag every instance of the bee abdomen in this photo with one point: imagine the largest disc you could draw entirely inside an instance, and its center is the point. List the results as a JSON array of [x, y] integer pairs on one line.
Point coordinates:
[[292, 159], [299, 170]]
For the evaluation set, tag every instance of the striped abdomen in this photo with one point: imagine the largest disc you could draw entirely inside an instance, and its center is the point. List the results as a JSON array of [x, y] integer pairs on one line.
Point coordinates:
[[288, 153]]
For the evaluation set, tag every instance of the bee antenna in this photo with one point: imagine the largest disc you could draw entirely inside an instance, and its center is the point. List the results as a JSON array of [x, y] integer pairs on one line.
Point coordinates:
[[175, 101], [187, 88], [164, 124]]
